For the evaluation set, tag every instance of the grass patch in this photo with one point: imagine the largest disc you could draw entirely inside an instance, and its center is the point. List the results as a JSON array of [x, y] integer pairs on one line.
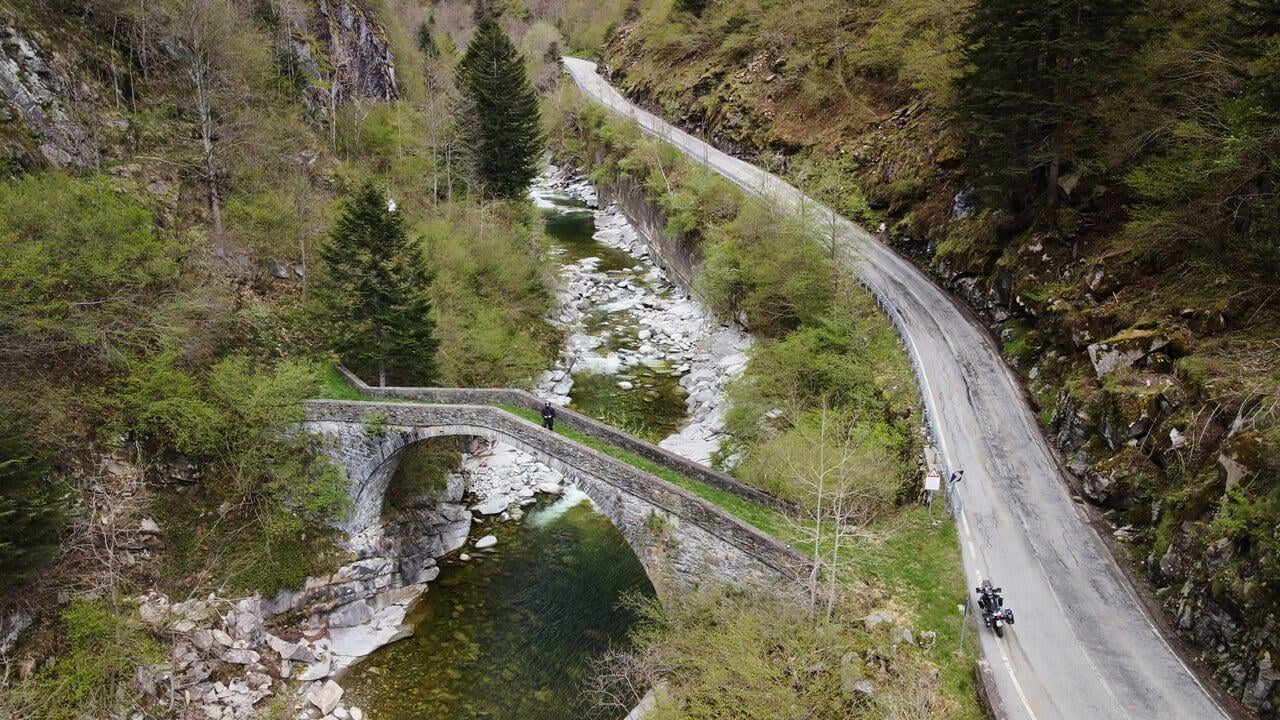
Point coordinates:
[[234, 553], [335, 386], [919, 563], [766, 519], [103, 642]]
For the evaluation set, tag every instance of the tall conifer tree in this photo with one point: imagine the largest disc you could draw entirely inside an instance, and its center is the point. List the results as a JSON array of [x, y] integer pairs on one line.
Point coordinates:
[[427, 38], [498, 114], [1025, 97], [374, 292]]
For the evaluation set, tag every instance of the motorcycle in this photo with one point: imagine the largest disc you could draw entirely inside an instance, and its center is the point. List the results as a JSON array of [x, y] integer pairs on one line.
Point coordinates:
[[994, 614]]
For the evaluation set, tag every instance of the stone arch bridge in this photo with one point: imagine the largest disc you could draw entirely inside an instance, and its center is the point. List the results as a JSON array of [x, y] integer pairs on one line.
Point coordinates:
[[678, 536]]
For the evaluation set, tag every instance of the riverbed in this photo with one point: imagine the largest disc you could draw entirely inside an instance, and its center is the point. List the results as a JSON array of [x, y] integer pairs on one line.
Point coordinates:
[[642, 353], [507, 633], [543, 584]]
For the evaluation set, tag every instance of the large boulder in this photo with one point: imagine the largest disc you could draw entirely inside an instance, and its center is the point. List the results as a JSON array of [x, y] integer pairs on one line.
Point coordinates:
[[1125, 349], [325, 696], [1119, 480]]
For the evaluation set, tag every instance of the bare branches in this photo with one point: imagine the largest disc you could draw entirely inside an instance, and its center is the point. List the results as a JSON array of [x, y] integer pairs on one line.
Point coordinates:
[[620, 679], [843, 484]]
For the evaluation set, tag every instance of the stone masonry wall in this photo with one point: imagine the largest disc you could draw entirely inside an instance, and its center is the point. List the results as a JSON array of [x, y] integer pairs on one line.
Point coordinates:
[[577, 422], [673, 532]]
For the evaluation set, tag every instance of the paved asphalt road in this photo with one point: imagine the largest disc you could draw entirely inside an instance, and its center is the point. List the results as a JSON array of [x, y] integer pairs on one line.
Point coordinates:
[[1082, 648]]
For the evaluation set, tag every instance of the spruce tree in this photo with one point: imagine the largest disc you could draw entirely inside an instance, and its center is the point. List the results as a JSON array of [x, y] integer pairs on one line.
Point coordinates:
[[30, 514], [498, 114], [427, 39], [1025, 96], [375, 294], [1253, 202]]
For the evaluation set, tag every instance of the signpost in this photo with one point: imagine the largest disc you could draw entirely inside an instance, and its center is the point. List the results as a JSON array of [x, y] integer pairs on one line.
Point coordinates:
[[932, 484], [952, 495]]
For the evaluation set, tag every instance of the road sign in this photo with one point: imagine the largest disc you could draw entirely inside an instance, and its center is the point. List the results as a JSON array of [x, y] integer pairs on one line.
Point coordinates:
[[933, 481]]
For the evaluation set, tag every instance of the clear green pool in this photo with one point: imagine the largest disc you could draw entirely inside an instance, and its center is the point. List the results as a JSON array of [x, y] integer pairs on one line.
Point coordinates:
[[509, 635]]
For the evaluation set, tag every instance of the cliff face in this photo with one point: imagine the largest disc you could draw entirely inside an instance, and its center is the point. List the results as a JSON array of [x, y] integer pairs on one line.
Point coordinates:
[[342, 53], [52, 107], [1158, 387], [37, 99]]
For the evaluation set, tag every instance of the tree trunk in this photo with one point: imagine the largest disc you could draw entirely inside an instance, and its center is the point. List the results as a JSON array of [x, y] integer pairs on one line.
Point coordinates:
[[204, 106], [382, 374]]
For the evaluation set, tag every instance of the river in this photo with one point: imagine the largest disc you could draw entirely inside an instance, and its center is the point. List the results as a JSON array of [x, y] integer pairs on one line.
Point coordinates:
[[508, 632]]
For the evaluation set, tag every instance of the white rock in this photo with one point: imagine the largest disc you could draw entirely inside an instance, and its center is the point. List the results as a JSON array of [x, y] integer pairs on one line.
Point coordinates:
[[493, 505], [239, 656], [625, 385], [487, 541], [325, 697], [319, 671], [350, 615]]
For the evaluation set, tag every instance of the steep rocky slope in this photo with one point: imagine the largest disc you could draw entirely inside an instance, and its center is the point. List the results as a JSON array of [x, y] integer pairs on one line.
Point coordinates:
[[1156, 378], [166, 172]]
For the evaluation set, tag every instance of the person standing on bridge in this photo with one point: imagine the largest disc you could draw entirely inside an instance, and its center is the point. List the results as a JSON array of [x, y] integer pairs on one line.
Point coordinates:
[[548, 417]]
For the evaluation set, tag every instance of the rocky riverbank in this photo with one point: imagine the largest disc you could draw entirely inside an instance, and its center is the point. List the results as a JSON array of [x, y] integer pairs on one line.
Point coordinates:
[[228, 657], [633, 323], [626, 323]]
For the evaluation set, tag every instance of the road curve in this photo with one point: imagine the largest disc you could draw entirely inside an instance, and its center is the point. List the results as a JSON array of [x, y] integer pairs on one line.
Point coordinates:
[[1083, 647]]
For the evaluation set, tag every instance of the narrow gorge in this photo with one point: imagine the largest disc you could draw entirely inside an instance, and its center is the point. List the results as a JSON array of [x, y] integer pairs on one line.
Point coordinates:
[[504, 612]]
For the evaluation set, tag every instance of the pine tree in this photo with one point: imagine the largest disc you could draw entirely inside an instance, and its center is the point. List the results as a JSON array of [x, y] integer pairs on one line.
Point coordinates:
[[426, 38], [1253, 201], [1025, 96], [30, 514], [499, 114], [374, 293]]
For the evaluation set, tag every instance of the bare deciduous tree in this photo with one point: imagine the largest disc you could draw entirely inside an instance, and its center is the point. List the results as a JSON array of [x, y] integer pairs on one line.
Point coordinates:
[[215, 44], [845, 482]]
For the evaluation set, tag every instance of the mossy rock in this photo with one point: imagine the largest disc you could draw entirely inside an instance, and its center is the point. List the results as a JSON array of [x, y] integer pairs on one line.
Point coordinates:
[[1122, 481]]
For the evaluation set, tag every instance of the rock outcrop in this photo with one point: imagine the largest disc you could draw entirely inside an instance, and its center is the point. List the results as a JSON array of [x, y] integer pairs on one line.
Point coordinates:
[[36, 92], [342, 53]]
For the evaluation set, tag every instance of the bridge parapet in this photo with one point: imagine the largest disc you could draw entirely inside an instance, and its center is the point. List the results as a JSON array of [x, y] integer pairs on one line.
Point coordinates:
[[576, 421], [669, 528]]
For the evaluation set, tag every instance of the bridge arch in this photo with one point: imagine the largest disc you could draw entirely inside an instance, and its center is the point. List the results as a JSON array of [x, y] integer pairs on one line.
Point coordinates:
[[680, 539]]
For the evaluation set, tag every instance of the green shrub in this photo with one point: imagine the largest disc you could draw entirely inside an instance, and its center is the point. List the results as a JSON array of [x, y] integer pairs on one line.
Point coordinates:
[[768, 267], [85, 269], [238, 420], [723, 652], [93, 676], [423, 471], [859, 459], [263, 551], [491, 294]]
